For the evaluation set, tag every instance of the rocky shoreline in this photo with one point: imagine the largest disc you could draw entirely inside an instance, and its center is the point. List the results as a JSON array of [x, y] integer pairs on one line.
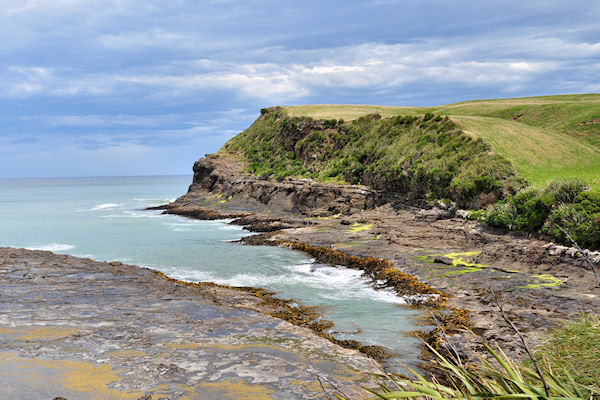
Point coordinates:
[[540, 284], [83, 329], [78, 328]]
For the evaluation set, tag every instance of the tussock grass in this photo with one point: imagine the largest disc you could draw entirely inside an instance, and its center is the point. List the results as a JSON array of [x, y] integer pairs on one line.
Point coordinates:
[[574, 350], [501, 378], [569, 360]]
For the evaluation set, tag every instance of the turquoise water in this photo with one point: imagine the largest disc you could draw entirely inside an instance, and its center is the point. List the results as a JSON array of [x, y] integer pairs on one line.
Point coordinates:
[[104, 219]]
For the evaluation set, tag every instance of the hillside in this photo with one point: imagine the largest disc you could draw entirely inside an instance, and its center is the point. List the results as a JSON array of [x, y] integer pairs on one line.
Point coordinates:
[[546, 138], [414, 157]]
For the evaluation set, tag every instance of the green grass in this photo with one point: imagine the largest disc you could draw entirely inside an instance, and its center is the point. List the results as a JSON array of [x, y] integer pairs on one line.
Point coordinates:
[[349, 112], [541, 155], [574, 350], [547, 138]]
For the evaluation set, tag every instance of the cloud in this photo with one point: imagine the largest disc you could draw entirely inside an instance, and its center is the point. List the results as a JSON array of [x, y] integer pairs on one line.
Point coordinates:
[[88, 75], [370, 66]]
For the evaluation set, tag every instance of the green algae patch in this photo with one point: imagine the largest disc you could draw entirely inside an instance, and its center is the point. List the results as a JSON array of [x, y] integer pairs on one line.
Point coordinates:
[[320, 218], [355, 228], [424, 259], [456, 260], [543, 280]]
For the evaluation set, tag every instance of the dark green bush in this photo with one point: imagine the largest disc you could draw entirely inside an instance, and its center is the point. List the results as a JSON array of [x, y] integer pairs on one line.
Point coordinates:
[[502, 215], [566, 191], [560, 204], [581, 219], [533, 207]]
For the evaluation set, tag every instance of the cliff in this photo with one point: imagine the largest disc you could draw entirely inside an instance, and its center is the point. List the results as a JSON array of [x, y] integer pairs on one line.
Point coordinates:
[[220, 181]]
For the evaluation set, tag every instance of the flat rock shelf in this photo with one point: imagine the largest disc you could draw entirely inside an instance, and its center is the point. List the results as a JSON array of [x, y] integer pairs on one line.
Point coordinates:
[[83, 329]]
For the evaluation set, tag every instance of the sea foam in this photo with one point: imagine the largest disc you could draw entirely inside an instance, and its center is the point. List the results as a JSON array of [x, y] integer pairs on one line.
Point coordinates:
[[52, 247], [106, 206]]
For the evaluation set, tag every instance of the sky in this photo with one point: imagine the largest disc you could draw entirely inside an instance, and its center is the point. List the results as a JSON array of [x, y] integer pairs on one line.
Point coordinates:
[[124, 87]]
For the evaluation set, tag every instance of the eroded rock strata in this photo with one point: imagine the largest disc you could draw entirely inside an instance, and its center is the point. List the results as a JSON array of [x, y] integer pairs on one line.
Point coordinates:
[[539, 283], [230, 188]]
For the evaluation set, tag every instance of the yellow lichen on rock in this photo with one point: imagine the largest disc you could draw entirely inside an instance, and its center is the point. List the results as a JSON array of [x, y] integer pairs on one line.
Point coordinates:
[[38, 332], [126, 353], [235, 389], [74, 376]]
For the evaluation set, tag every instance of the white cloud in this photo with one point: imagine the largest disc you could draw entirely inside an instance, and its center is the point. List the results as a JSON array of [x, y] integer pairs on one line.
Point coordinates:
[[283, 75]]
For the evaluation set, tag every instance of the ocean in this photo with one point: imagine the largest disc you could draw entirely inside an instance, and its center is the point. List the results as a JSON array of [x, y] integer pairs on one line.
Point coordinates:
[[104, 219]]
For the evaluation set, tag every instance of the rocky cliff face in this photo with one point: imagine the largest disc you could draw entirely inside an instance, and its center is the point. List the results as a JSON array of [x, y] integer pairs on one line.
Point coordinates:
[[220, 182]]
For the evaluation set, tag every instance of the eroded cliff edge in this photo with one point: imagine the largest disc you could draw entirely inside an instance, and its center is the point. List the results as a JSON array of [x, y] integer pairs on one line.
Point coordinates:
[[233, 189]]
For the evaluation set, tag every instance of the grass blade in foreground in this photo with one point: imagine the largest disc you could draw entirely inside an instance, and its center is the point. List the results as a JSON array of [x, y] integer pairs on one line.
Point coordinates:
[[482, 381]]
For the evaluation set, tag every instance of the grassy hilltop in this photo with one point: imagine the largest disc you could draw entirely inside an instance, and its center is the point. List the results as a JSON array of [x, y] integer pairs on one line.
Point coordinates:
[[546, 138], [519, 159]]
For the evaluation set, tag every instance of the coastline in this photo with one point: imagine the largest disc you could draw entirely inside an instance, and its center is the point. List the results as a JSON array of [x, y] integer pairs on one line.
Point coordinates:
[[87, 329], [431, 257], [539, 283]]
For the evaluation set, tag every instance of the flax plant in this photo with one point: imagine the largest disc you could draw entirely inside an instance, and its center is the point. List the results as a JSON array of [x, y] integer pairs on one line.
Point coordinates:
[[483, 380]]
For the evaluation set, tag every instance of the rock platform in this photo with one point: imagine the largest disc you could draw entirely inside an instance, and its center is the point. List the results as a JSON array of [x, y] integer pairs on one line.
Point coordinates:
[[82, 329]]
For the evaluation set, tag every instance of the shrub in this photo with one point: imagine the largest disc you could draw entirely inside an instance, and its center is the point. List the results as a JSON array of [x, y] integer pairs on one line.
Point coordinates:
[[566, 191], [580, 218], [502, 215], [532, 208], [564, 204], [526, 211], [409, 156], [476, 215]]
